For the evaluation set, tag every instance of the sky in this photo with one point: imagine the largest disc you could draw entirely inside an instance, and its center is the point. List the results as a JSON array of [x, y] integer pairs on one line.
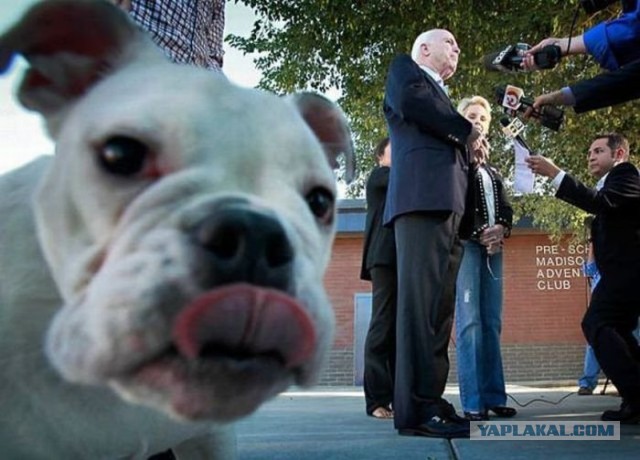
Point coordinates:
[[22, 136]]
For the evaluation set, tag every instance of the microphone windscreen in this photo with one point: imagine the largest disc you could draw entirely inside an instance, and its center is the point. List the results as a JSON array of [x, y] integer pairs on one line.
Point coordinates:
[[487, 61]]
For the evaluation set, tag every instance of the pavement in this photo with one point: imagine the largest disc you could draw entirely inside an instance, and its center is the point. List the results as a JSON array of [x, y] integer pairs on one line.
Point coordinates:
[[329, 423]]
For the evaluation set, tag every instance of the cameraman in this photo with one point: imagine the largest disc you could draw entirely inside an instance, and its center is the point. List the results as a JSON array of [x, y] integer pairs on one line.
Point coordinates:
[[615, 44]]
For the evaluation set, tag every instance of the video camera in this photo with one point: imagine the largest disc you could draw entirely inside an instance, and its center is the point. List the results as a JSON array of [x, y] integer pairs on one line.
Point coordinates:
[[511, 57], [513, 100], [593, 6]]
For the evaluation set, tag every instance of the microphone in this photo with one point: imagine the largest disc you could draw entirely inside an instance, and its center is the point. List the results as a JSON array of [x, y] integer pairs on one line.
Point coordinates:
[[512, 129], [509, 60], [513, 100]]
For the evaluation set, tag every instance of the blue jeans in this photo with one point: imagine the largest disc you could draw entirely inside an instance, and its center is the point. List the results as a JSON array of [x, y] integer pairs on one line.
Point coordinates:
[[591, 370], [478, 327]]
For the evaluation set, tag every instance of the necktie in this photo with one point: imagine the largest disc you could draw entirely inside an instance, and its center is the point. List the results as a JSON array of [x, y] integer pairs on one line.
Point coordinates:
[[444, 87]]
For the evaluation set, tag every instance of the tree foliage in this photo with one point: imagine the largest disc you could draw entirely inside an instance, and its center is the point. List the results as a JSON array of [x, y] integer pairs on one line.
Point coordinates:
[[348, 45]]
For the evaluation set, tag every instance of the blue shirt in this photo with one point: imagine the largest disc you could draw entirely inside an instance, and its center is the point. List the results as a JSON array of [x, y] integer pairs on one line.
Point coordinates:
[[617, 42], [591, 270]]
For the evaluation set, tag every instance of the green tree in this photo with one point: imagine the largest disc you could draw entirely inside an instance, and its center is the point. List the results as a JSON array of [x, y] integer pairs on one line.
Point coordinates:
[[348, 45]]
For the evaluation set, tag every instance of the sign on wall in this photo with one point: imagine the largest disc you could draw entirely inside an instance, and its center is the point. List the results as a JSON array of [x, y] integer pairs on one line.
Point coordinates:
[[559, 267]]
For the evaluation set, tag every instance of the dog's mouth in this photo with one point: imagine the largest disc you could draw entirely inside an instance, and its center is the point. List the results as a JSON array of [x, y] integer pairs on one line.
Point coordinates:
[[233, 348]]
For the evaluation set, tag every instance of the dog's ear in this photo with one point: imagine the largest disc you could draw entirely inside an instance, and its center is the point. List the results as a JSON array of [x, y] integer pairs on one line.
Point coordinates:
[[330, 126], [69, 45]]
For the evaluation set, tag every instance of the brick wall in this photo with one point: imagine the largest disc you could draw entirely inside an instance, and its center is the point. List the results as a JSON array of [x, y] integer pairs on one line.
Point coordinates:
[[545, 297]]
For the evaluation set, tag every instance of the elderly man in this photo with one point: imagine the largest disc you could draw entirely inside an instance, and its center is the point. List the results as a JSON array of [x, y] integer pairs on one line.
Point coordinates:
[[425, 204]]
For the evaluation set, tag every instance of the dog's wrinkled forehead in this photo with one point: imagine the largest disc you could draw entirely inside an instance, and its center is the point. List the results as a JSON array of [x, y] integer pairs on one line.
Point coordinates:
[[191, 117]]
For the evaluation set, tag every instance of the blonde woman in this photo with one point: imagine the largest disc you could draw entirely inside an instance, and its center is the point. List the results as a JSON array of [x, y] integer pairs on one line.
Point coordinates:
[[478, 313]]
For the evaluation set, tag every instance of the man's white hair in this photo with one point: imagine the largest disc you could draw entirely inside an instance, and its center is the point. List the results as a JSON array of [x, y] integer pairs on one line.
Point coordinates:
[[424, 37]]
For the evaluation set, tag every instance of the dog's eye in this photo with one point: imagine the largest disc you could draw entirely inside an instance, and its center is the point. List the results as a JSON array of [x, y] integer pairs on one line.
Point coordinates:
[[123, 156], [321, 202]]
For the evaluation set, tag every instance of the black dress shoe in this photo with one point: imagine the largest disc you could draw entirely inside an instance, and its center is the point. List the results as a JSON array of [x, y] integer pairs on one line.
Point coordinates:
[[447, 411], [627, 415], [438, 427], [503, 411]]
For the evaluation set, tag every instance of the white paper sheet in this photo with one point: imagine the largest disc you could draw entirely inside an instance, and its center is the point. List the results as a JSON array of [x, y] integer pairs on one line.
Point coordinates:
[[523, 179]]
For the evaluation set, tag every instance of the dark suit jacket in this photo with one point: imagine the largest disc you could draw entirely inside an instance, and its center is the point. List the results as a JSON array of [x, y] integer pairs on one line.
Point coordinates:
[[428, 136], [607, 89], [615, 231], [379, 244]]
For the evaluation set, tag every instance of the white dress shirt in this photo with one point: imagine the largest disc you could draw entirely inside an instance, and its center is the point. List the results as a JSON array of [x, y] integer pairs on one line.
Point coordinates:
[[436, 76]]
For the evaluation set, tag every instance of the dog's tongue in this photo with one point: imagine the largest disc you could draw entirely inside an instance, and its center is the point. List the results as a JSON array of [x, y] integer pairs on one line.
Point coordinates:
[[247, 320]]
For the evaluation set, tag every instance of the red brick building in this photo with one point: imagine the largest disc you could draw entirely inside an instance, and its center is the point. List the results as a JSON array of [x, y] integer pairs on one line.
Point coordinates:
[[545, 296]]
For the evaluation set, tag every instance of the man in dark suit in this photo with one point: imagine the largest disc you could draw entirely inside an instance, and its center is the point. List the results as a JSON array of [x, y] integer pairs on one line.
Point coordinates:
[[379, 267], [615, 232], [425, 203], [607, 89]]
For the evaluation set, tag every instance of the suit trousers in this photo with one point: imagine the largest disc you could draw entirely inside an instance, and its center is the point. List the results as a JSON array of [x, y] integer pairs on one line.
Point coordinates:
[[608, 326], [380, 345], [428, 257]]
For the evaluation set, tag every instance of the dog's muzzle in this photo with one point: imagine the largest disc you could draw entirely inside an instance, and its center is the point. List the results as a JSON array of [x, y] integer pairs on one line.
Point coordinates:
[[246, 336]]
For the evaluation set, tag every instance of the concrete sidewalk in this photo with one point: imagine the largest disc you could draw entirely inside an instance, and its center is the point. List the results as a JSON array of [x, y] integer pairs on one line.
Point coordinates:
[[330, 423]]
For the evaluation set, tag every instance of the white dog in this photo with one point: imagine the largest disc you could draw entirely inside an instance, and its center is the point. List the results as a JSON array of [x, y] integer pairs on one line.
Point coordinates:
[[162, 274]]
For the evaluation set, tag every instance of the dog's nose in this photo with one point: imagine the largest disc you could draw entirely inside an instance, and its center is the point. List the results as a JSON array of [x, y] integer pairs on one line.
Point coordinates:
[[246, 245]]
